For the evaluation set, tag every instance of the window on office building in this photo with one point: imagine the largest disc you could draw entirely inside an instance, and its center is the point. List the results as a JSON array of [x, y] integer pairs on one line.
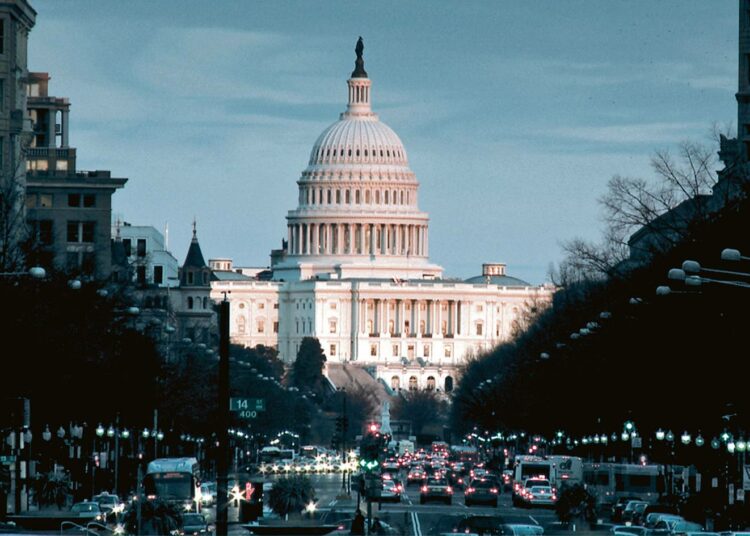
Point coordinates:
[[141, 251], [140, 275], [158, 275], [127, 245]]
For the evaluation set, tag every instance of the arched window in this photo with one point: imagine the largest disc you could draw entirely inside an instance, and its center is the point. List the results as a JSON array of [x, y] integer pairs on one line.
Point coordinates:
[[377, 197], [386, 197], [367, 196], [348, 197], [395, 383], [329, 196], [430, 383], [413, 383], [338, 197], [190, 302], [402, 197], [356, 197], [448, 384], [422, 326], [240, 324]]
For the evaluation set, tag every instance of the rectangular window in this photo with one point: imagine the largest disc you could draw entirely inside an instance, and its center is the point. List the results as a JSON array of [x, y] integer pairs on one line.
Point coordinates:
[[333, 305], [71, 261], [373, 350], [88, 264], [332, 350], [261, 305], [45, 233], [275, 327], [480, 308], [332, 326], [128, 246], [61, 165], [261, 326], [2, 36], [74, 200], [141, 251], [31, 200], [275, 305], [87, 231], [447, 351], [190, 278], [89, 200], [747, 67], [395, 350], [72, 234], [45, 200], [427, 350], [479, 329], [140, 275], [158, 275]]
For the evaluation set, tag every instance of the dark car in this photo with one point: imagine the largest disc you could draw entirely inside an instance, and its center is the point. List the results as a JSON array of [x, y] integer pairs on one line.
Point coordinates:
[[436, 489], [481, 491], [619, 507], [657, 508], [482, 525], [194, 524]]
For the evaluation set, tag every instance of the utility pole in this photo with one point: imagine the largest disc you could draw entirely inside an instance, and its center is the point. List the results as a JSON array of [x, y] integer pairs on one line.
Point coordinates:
[[117, 454], [343, 441], [222, 451]]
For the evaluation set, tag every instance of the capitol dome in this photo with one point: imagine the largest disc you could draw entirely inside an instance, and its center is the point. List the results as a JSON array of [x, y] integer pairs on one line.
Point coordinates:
[[357, 212]]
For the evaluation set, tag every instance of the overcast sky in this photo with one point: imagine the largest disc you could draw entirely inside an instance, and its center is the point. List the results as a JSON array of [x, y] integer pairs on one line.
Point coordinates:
[[514, 114]]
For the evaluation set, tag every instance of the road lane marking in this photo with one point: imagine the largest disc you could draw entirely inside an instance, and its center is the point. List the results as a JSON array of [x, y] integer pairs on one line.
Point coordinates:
[[534, 520], [415, 524]]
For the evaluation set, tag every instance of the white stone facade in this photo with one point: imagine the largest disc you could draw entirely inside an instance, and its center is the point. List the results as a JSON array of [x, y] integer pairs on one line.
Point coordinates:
[[355, 272]]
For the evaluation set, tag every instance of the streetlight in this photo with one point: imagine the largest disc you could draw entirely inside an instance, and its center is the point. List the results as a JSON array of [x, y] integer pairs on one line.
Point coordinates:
[[35, 272]]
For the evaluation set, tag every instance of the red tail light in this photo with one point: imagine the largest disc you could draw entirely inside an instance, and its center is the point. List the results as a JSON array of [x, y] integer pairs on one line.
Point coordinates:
[[493, 490], [450, 489], [424, 489], [469, 490]]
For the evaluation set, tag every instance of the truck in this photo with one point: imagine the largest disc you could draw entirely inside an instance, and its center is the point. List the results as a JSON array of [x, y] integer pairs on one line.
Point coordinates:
[[405, 446]]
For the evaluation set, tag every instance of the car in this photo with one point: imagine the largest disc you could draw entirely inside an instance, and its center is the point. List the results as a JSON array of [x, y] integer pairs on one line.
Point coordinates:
[[631, 507], [522, 529], [192, 524], [480, 525], [436, 489], [88, 510], [685, 527], [628, 530], [522, 490], [654, 518], [619, 506], [107, 501], [391, 491], [657, 509], [636, 515], [208, 493], [539, 496], [415, 476], [481, 491], [391, 464]]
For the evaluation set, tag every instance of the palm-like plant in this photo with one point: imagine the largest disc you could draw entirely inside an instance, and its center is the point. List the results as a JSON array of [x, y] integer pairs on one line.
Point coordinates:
[[290, 495], [157, 517], [51, 488]]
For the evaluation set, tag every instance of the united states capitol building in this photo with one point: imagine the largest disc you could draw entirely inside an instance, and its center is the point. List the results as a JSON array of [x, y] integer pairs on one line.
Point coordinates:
[[354, 270]]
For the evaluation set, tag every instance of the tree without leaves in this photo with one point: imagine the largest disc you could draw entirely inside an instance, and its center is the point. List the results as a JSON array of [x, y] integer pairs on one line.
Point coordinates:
[[631, 204], [421, 408]]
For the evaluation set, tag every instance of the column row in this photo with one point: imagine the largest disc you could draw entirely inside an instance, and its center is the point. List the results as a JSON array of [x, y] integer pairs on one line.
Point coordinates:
[[357, 239], [409, 318]]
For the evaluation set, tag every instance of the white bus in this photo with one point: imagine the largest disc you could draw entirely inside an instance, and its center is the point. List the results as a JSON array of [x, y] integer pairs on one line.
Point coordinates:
[[527, 466], [611, 481], [566, 471], [174, 480]]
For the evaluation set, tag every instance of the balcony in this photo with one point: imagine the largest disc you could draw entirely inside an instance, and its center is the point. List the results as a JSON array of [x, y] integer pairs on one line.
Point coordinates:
[[47, 152]]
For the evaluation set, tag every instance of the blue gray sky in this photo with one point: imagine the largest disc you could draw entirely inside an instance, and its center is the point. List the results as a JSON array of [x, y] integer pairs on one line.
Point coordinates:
[[514, 114]]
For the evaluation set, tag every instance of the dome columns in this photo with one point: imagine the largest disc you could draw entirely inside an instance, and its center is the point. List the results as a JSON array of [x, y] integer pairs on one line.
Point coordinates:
[[371, 239]]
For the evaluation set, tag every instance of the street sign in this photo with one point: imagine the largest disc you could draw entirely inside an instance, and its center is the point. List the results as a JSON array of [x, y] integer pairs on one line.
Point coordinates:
[[247, 404], [7, 459]]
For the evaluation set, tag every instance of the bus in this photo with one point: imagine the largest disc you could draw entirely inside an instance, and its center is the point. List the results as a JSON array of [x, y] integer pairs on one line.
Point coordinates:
[[611, 481], [271, 455], [310, 451], [174, 480], [566, 471], [529, 466]]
